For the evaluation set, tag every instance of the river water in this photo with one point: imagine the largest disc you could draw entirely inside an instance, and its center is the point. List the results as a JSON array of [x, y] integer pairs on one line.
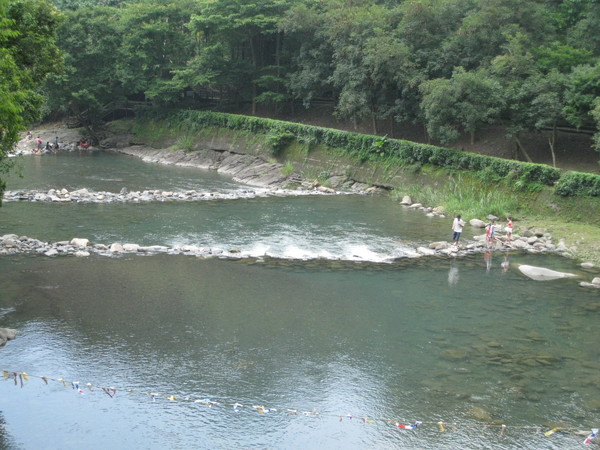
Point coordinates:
[[326, 321]]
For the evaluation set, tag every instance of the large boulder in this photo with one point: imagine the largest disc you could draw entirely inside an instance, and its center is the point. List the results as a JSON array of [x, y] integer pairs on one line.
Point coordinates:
[[594, 284], [519, 244], [116, 248], [439, 245], [6, 334], [79, 242], [477, 223], [543, 274], [425, 251]]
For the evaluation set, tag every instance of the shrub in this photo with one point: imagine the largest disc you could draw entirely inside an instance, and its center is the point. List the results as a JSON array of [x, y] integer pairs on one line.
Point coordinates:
[[279, 141], [574, 184]]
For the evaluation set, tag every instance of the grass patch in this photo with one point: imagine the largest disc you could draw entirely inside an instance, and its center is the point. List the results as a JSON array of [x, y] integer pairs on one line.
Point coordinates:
[[185, 142], [583, 239], [317, 174], [152, 133], [287, 169], [468, 196]]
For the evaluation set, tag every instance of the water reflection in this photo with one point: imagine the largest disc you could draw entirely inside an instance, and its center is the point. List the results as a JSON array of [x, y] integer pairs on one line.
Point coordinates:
[[505, 263], [487, 258], [5, 440], [453, 274], [382, 341]]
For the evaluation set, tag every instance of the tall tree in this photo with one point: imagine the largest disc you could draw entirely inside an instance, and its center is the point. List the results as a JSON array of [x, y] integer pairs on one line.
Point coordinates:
[[596, 116], [582, 90], [547, 105], [155, 42], [586, 32], [351, 30], [249, 37], [485, 31], [27, 54], [89, 83], [310, 51], [464, 103], [512, 69], [424, 27]]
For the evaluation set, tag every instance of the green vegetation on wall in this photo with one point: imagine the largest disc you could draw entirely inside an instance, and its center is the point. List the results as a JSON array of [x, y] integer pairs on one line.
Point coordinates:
[[363, 148]]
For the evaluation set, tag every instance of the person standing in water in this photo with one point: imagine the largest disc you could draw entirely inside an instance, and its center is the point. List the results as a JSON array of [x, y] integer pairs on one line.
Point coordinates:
[[489, 232], [509, 228], [457, 227]]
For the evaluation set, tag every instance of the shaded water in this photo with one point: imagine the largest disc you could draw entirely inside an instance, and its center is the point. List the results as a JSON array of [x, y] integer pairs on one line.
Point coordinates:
[[108, 172], [414, 339]]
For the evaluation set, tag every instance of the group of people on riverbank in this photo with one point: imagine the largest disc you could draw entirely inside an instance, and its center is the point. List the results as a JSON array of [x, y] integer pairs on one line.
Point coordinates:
[[50, 147], [54, 145], [490, 230]]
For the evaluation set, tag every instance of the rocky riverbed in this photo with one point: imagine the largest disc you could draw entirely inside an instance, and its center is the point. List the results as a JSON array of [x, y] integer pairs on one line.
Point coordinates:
[[153, 195], [12, 244]]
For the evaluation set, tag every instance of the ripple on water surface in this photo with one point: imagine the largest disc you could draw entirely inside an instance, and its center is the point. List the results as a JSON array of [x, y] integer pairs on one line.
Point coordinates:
[[386, 341], [470, 342]]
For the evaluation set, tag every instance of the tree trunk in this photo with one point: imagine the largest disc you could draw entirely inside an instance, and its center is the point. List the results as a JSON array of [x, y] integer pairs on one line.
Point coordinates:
[[527, 157], [254, 66], [277, 53], [472, 133], [551, 142], [374, 123], [392, 131]]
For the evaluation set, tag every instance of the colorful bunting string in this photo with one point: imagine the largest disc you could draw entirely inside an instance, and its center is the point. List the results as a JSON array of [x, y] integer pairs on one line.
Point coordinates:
[[592, 435], [20, 378]]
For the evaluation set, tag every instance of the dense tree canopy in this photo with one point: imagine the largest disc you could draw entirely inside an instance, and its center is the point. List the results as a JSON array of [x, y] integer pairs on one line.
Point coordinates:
[[454, 66], [27, 54]]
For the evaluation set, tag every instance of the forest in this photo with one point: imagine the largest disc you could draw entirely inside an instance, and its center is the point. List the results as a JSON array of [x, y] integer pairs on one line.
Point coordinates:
[[453, 67]]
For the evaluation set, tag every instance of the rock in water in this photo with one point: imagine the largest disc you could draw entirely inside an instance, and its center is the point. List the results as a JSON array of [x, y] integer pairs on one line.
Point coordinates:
[[78, 242], [6, 334], [543, 274]]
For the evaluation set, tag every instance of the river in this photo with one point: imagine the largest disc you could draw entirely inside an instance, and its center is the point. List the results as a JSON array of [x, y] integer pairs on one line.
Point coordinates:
[[325, 333]]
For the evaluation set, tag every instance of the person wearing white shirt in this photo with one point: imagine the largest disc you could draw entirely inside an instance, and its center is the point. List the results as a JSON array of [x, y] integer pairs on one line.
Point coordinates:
[[457, 227]]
